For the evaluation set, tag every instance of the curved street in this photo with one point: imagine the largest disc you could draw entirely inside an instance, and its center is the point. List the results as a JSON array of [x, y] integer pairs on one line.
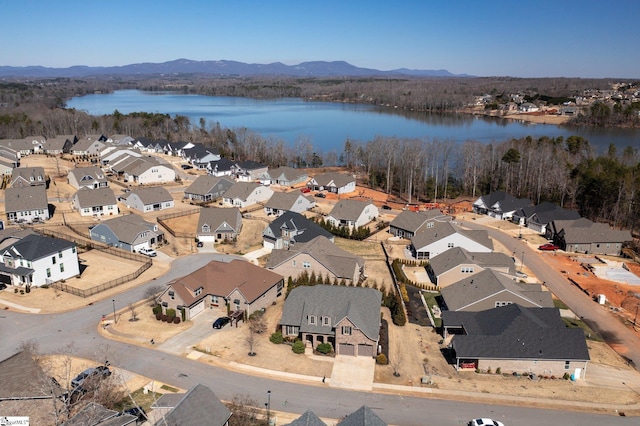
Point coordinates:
[[78, 329]]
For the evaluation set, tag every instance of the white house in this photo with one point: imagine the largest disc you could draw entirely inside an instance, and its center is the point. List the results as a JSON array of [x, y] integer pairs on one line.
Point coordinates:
[[95, 202], [245, 194], [352, 213], [148, 199], [294, 201], [438, 237], [337, 183]]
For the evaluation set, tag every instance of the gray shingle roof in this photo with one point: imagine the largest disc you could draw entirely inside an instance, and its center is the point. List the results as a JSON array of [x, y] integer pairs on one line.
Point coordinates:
[[220, 217], [95, 197], [584, 231], [285, 200], [34, 246], [309, 418], [22, 377], [335, 178], [198, 406], [457, 256], [205, 184], [515, 332], [414, 221], [348, 209], [286, 173], [27, 198], [151, 194], [296, 221], [487, 283], [241, 190], [126, 228], [364, 416], [440, 230], [360, 305], [28, 176]]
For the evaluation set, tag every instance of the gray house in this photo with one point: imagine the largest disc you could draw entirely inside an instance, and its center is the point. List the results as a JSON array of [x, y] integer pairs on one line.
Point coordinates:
[[28, 176], [337, 183], [219, 224], [198, 406], [517, 339], [87, 177], [490, 289], [207, 188], [148, 199], [363, 416], [539, 216], [95, 202], [129, 232], [27, 204], [457, 264], [585, 236], [348, 318], [285, 176], [295, 201], [292, 228], [352, 213], [408, 223]]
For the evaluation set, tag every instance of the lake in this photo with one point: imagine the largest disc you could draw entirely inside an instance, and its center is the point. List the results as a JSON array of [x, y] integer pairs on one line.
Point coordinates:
[[328, 125]]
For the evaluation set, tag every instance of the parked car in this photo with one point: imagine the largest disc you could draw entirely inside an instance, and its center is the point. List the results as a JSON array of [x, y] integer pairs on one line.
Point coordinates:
[[199, 244], [137, 412], [305, 190], [99, 371], [148, 252], [321, 195], [186, 167], [548, 247], [386, 207], [221, 322], [485, 422]]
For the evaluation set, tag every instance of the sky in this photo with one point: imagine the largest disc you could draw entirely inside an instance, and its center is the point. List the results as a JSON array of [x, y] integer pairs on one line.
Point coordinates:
[[566, 38]]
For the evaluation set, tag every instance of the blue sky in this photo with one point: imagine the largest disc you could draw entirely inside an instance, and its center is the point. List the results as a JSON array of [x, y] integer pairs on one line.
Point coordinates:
[[541, 38]]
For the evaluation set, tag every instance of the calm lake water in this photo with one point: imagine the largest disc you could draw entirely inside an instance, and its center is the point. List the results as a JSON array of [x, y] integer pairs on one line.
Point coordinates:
[[328, 125]]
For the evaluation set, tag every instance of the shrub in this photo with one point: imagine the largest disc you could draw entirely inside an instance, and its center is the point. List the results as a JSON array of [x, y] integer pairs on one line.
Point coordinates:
[[157, 309], [298, 347], [324, 348], [176, 320], [171, 313], [158, 316], [498, 370], [566, 376], [165, 317], [489, 371], [382, 359], [276, 338]]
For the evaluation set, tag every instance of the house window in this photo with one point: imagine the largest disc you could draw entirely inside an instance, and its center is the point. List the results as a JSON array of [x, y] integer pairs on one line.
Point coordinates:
[[567, 365], [206, 229], [346, 329], [501, 304], [306, 264], [198, 291], [326, 321], [214, 300], [450, 245], [429, 224], [60, 255], [467, 270], [53, 260], [312, 320], [62, 267], [291, 330], [172, 295], [48, 272], [294, 263]]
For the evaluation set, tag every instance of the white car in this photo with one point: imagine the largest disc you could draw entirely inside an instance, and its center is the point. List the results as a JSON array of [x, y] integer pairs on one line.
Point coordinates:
[[485, 422], [148, 252]]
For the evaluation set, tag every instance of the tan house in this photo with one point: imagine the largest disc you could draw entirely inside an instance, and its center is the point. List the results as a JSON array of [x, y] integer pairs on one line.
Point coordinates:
[[352, 213], [319, 256], [95, 202], [219, 224], [226, 286], [346, 317], [87, 177], [457, 264]]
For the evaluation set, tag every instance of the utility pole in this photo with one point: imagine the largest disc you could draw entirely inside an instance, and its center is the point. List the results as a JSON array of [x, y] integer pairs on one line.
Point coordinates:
[[522, 262], [115, 319]]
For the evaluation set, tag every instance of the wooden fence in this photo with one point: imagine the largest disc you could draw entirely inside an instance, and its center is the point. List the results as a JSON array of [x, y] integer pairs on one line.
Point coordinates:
[[162, 218], [101, 287]]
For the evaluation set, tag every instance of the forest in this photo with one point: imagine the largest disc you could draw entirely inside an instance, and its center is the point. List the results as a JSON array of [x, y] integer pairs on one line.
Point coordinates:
[[565, 171]]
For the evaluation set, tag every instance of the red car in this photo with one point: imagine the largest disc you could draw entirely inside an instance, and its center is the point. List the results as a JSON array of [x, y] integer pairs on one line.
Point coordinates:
[[548, 247]]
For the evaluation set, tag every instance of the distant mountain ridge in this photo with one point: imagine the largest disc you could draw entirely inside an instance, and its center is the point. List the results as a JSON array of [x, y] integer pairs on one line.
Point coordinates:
[[222, 68]]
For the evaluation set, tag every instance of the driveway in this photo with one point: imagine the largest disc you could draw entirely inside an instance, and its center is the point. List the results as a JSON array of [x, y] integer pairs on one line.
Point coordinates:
[[181, 343], [353, 372]]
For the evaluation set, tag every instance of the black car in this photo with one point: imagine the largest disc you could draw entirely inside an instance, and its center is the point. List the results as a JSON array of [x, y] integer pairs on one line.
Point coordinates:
[[199, 244], [386, 207], [321, 195], [186, 167], [221, 322], [137, 412]]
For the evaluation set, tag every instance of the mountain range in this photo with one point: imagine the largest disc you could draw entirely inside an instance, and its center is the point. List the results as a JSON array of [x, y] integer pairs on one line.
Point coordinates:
[[222, 69]]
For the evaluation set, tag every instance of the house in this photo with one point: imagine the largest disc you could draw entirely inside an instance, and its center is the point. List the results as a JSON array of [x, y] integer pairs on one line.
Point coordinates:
[[438, 237], [528, 107], [237, 285], [517, 339], [97, 415], [95, 202], [337, 183], [147, 171], [539, 216], [28, 176], [408, 223], [118, 139], [218, 224], [490, 289], [248, 170], [148, 199], [246, 194], [60, 144], [28, 204], [320, 257], [308, 418], [128, 232], [27, 390], [364, 416], [292, 228], [457, 264], [198, 406], [284, 176], [90, 146], [348, 318], [6, 166], [352, 213], [585, 236], [207, 188], [87, 177], [35, 260], [499, 205], [295, 201], [198, 153], [221, 167]]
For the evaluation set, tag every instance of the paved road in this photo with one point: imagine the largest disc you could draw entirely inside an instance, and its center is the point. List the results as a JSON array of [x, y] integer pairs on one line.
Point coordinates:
[[78, 328], [613, 332]]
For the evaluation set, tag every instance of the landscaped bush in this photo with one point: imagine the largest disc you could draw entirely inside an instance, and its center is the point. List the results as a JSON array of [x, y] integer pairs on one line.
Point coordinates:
[[276, 338], [382, 359], [324, 348], [159, 316], [171, 313], [165, 317], [298, 347], [157, 309], [176, 320]]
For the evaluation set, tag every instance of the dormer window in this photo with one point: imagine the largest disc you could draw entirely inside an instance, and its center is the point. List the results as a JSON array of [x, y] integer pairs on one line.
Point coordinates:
[[326, 321], [312, 320], [206, 228], [198, 291]]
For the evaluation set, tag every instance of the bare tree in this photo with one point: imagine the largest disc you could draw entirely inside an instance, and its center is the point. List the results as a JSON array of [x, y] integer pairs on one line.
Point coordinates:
[[245, 412], [133, 312], [152, 292], [395, 359]]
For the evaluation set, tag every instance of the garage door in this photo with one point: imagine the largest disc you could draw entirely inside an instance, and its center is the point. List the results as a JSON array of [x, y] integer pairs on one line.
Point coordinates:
[[5, 279], [346, 349], [365, 350], [268, 244], [196, 309]]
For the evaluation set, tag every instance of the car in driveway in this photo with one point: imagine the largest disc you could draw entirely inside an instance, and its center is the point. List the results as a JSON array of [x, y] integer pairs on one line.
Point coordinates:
[[148, 252], [137, 412], [186, 167], [99, 371], [221, 322], [485, 422], [321, 195], [548, 247]]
